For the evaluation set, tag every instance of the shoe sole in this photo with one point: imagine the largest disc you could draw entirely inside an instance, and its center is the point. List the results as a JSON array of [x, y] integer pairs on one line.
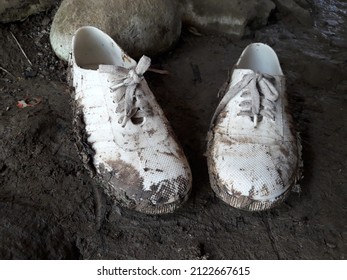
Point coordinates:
[[122, 200], [247, 203], [244, 202]]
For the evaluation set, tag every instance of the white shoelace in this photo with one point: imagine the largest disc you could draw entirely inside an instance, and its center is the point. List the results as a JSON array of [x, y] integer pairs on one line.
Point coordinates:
[[130, 100], [262, 93], [263, 97]]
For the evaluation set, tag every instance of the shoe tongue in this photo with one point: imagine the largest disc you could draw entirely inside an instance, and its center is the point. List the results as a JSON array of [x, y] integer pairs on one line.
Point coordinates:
[[110, 69]]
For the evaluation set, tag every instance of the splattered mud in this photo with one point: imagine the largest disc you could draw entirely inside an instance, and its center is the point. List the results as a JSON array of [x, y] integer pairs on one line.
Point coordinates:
[[51, 209]]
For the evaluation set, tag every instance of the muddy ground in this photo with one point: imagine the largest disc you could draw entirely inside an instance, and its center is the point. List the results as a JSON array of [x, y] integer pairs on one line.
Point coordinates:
[[51, 209]]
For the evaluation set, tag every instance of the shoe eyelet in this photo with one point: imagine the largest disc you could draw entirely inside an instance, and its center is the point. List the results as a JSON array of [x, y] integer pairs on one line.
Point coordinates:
[[138, 121], [260, 118]]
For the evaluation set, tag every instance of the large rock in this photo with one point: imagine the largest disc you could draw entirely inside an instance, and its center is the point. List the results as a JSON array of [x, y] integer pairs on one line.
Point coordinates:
[[226, 16], [12, 10], [140, 27], [292, 8]]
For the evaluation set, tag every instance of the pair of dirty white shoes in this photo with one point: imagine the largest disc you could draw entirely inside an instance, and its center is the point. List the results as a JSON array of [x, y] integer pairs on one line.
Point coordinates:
[[126, 142]]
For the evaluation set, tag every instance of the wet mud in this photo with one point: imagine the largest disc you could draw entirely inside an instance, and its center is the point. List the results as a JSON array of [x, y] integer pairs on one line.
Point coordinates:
[[50, 208]]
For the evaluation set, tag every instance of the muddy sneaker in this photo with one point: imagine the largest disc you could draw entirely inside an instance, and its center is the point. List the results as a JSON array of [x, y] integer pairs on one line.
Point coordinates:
[[253, 153], [123, 136]]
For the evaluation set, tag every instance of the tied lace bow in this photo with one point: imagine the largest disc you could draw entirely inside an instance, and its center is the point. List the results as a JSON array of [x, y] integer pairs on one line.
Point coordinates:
[[261, 94], [126, 81]]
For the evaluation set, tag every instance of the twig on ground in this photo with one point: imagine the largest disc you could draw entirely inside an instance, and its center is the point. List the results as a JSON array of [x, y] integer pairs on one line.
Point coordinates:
[[7, 72], [20, 47], [194, 31], [159, 71]]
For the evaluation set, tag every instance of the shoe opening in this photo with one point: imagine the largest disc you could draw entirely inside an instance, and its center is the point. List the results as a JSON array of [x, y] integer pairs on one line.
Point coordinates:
[[93, 47], [260, 58]]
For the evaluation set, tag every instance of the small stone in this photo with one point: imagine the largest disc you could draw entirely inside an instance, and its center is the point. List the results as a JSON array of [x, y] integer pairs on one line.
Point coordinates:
[[116, 210], [45, 21], [30, 73], [140, 27]]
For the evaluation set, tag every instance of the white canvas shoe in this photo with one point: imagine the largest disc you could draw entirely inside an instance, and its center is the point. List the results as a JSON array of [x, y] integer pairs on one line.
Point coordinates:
[[253, 152], [123, 135]]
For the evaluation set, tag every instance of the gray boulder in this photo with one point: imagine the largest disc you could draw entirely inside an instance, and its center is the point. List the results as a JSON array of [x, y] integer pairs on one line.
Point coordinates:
[[140, 27], [226, 16], [13, 10], [293, 9]]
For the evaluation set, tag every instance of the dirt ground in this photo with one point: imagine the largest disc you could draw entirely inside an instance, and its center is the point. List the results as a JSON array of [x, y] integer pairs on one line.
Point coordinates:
[[51, 209]]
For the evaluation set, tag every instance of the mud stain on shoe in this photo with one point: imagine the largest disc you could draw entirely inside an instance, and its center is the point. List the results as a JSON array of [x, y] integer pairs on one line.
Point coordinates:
[[168, 191], [151, 132], [85, 150], [244, 201], [265, 190], [284, 151], [126, 173], [222, 116], [126, 58], [235, 193], [252, 192], [226, 141]]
